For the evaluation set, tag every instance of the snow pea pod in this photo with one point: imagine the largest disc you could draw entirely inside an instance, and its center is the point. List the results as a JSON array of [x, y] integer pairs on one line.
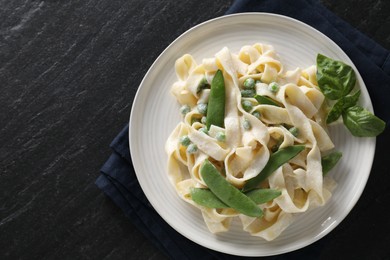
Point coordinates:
[[227, 193], [260, 196], [329, 161], [276, 160], [216, 105], [266, 100], [206, 198]]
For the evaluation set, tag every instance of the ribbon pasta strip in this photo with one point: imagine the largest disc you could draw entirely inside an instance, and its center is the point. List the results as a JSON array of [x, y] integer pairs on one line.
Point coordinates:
[[245, 152]]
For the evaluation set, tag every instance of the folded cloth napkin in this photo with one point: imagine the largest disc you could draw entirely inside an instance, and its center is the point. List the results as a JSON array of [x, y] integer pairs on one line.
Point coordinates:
[[119, 181]]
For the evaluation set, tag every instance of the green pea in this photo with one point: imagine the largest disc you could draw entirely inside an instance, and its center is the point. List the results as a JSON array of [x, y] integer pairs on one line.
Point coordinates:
[[247, 105], [220, 136], [185, 140], [203, 130], [202, 108], [294, 131], [192, 148], [227, 193], [266, 100], [216, 106], [203, 120], [249, 83], [246, 124], [185, 109], [273, 87], [276, 160], [256, 114], [248, 93]]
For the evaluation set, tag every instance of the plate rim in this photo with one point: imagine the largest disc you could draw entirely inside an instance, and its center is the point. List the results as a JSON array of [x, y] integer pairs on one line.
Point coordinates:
[[370, 160]]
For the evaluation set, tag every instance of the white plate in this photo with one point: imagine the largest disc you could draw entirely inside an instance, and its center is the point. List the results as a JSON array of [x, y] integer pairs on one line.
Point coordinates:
[[155, 113]]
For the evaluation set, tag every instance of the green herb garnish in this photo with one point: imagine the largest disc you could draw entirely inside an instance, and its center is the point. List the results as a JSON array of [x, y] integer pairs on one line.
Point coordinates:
[[336, 80]]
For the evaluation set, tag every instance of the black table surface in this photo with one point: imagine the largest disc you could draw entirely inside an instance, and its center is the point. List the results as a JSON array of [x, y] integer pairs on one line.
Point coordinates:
[[68, 73]]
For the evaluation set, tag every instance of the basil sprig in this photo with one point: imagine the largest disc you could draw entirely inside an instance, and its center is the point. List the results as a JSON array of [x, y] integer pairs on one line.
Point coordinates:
[[361, 122], [336, 81]]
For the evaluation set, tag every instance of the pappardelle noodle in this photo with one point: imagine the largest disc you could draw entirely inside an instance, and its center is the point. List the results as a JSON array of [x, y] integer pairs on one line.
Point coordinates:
[[252, 140]]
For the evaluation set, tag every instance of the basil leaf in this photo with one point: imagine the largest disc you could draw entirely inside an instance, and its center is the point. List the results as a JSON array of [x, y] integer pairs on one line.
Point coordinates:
[[351, 100], [335, 78], [335, 112], [362, 122], [341, 105], [329, 161]]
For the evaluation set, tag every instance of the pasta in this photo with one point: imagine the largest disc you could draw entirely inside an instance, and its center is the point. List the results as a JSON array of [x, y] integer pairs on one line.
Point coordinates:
[[252, 131]]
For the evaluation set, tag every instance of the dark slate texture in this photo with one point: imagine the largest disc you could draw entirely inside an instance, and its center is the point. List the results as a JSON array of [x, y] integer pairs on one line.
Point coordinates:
[[68, 73]]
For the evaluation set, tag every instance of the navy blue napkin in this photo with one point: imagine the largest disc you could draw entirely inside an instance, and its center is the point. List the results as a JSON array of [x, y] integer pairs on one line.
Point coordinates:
[[118, 179]]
